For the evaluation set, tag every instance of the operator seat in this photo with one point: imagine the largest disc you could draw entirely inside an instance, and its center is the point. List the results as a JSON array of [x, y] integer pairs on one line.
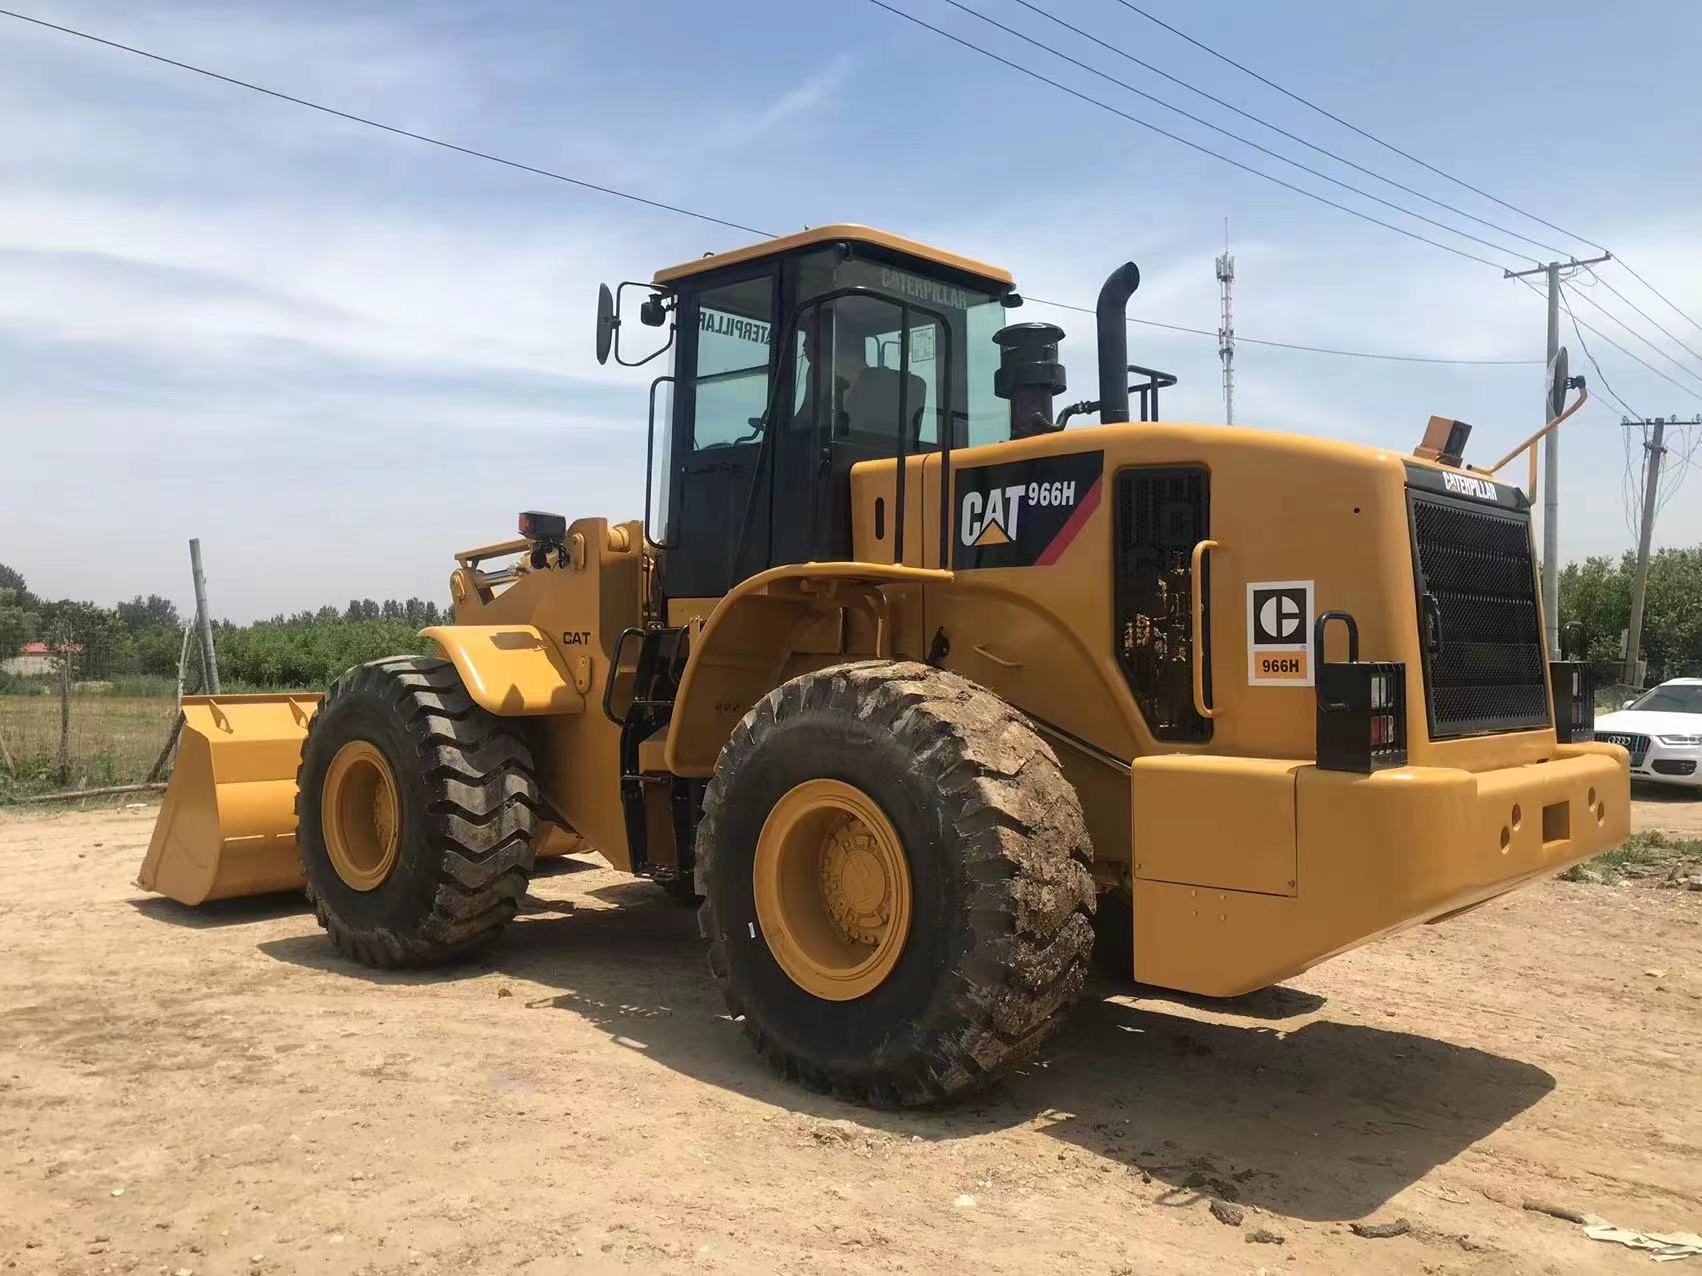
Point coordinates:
[[872, 403]]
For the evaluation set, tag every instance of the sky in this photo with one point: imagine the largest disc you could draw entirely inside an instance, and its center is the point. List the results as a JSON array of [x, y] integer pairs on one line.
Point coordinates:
[[337, 355]]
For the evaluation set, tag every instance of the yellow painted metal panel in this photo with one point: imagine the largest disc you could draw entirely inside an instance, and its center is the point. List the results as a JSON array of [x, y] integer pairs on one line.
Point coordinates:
[[1380, 852], [1213, 821], [827, 235], [509, 670]]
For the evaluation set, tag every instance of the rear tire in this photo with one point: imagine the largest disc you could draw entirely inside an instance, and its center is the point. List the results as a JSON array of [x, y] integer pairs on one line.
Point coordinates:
[[995, 890], [463, 812]]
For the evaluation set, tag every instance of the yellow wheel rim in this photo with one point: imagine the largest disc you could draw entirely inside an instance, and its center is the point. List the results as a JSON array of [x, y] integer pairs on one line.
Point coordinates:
[[832, 889], [361, 815]]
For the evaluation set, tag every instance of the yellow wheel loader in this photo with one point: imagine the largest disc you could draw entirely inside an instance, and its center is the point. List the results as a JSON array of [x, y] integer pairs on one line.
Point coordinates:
[[905, 680]]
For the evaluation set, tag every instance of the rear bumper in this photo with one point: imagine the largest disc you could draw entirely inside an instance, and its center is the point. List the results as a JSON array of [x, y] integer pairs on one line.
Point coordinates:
[[1248, 871]]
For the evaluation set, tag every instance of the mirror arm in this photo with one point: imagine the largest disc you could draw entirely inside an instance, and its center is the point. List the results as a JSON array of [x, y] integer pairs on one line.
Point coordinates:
[[665, 347], [1583, 398]]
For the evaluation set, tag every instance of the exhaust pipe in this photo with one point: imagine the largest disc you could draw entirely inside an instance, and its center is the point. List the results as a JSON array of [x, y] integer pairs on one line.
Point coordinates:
[[1114, 296]]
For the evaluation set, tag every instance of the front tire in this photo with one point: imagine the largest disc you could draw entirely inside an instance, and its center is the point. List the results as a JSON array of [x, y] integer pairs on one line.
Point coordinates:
[[415, 815], [953, 860]]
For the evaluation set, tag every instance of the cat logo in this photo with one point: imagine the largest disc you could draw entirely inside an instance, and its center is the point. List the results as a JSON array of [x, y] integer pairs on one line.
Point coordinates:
[[990, 518], [1279, 628], [1466, 485], [1024, 513]]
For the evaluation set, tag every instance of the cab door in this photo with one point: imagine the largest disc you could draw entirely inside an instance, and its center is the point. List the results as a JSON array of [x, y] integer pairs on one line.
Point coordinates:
[[725, 370]]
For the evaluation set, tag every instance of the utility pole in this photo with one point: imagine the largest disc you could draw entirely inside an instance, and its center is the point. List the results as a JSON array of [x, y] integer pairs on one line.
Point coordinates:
[[1654, 447], [1551, 453], [203, 623], [1226, 330]]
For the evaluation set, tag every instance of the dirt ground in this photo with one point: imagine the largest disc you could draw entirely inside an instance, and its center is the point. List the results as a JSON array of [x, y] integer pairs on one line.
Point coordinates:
[[214, 1091]]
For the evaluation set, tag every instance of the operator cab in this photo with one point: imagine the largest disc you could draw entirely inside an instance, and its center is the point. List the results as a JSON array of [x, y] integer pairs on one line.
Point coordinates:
[[794, 360]]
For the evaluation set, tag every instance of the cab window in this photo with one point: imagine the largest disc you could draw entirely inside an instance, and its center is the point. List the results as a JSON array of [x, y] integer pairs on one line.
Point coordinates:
[[875, 384], [735, 336]]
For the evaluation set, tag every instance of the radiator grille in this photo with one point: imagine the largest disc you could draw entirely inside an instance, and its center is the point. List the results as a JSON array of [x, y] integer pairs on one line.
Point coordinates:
[[1636, 745], [1485, 669], [1162, 513]]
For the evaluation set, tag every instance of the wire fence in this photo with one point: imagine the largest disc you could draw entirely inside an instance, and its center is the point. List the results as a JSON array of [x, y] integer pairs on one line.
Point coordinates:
[[77, 712], [89, 695]]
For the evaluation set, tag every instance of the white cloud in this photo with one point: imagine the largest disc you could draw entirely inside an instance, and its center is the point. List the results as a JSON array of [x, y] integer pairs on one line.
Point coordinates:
[[337, 356]]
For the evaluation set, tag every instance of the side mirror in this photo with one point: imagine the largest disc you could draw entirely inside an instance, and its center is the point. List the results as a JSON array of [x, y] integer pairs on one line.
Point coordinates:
[[607, 322], [1557, 381], [1629, 703]]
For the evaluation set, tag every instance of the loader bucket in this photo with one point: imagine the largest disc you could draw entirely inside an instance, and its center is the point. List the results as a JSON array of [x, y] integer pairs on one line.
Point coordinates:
[[228, 824]]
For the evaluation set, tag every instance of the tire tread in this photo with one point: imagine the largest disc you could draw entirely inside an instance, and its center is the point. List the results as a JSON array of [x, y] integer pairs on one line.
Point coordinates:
[[482, 815]]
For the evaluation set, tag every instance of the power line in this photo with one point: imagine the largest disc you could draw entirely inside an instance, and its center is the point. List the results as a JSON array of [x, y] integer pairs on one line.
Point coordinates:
[[1651, 287], [1372, 137], [1589, 300], [388, 128], [1288, 345], [671, 208], [1236, 137], [1293, 137], [1609, 286], [1630, 494], [1622, 350], [1176, 137], [1407, 155], [1601, 376]]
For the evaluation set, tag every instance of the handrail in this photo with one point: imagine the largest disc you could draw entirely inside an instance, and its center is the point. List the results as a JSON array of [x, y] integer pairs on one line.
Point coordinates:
[[472, 557], [650, 460], [1197, 639]]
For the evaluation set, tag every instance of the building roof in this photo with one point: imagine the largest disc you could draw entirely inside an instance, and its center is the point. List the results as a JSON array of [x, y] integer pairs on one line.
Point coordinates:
[[42, 649], [831, 233]]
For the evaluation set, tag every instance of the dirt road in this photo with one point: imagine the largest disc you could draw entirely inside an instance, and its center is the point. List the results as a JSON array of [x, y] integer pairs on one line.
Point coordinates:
[[215, 1091]]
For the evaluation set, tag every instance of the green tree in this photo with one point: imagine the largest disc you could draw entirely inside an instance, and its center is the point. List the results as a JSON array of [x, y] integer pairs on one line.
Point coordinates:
[[149, 613], [1597, 594], [18, 621], [12, 579]]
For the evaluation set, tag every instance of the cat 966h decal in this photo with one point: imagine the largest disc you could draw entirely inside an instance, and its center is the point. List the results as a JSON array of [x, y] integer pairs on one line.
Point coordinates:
[[1026, 513]]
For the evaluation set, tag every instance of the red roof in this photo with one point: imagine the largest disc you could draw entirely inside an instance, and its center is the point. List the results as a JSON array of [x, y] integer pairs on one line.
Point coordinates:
[[42, 649]]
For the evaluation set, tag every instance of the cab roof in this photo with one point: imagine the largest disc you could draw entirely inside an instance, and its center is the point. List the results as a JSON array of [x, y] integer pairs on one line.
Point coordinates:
[[835, 232]]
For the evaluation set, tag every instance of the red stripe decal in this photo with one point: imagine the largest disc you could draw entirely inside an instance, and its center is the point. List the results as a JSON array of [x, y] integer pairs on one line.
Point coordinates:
[[1067, 533]]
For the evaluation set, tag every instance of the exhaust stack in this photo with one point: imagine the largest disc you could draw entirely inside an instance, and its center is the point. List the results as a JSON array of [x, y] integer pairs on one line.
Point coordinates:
[[1114, 296]]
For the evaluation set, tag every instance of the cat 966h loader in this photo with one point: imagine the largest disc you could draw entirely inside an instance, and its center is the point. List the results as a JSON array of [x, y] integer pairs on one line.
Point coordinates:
[[905, 680]]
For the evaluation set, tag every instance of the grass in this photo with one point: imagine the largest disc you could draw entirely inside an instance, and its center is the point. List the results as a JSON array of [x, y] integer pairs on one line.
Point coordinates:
[[1643, 851], [114, 739]]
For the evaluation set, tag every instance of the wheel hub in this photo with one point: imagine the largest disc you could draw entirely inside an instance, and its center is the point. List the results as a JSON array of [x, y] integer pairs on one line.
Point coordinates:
[[832, 889], [853, 883], [360, 815]]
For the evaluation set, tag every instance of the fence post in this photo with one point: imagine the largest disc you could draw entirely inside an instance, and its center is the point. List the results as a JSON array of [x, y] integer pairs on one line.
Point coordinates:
[[64, 718], [172, 736], [203, 622]]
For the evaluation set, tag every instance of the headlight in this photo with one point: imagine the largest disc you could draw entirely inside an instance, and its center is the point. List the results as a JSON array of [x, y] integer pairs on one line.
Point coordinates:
[[1679, 739]]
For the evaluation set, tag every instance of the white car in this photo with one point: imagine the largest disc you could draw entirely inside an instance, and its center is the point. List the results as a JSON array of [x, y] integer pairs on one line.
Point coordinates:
[[1662, 730]]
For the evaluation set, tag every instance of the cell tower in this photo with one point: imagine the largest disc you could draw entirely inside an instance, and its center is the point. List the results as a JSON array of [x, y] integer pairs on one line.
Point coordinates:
[[1226, 331]]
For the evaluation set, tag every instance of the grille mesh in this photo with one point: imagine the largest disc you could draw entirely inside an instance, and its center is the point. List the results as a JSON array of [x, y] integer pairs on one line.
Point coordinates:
[[1161, 515], [1484, 664], [1636, 745]]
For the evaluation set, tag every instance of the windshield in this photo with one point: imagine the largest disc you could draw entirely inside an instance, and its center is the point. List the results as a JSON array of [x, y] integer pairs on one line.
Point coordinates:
[[1679, 697], [970, 318]]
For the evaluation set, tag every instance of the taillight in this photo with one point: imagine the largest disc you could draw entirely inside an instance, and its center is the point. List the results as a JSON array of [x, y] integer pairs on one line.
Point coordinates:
[[1361, 706], [1574, 690]]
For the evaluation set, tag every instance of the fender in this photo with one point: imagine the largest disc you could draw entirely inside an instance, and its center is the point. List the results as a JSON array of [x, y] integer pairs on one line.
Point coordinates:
[[509, 670], [740, 653]]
